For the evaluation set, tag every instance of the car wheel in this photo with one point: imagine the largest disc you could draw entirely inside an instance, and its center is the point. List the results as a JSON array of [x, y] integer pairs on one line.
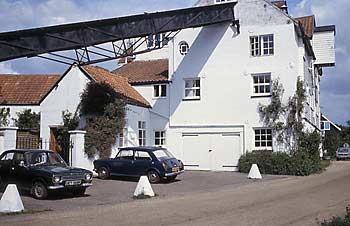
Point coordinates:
[[103, 172], [79, 192], [171, 178], [39, 190], [153, 176]]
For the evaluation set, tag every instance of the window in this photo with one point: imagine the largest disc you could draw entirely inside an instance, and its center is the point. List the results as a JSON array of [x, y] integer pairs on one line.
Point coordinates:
[[126, 154], [263, 138], [261, 84], [122, 138], [192, 88], [157, 40], [262, 45], [159, 90], [325, 125], [142, 133], [142, 155], [159, 138], [184, 48], [8, 156]]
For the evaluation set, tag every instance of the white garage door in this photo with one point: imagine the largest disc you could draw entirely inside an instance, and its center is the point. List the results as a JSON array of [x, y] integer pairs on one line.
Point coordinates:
[[218, 151]]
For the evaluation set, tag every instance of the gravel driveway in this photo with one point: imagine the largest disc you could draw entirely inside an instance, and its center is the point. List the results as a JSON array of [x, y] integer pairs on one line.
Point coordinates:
[[120, 190]]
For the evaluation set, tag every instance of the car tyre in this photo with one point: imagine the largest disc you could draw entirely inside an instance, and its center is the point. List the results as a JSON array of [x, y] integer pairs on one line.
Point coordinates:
[[103, 173], [39, 191], [79, 192], [153, 176]]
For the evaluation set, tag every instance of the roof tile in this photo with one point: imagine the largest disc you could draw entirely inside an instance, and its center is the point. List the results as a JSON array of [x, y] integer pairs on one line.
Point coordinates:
[[308, 24]]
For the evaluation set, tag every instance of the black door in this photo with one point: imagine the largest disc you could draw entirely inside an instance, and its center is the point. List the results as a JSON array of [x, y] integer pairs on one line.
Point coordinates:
[[20, 172], [6, 167]]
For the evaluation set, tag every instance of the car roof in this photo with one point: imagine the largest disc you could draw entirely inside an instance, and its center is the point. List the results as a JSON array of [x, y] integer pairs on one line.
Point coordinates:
[[144, 148], [27, 150]]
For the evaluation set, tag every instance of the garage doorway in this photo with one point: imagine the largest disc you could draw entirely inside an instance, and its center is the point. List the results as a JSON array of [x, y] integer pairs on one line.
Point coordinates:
[[211, 151]]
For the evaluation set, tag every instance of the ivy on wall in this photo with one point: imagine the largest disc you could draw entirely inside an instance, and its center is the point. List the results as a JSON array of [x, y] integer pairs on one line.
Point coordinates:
[[4, 116]]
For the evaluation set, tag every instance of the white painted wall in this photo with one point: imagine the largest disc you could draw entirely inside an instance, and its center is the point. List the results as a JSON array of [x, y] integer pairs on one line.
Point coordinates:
[[14, 109], [324, 48]]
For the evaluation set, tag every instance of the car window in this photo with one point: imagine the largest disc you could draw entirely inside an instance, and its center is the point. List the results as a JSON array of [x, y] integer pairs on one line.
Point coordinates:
[[126, 154], [142, 155], [19, 157], [162, 153], [8, 156]]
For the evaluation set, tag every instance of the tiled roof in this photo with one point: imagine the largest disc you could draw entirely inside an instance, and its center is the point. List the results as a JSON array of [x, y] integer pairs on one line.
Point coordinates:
[[308, 24], [120, 84], [143, 72], [25, 89]]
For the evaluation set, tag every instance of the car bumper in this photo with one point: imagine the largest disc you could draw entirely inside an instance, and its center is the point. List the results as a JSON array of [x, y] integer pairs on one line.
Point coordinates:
[[174, 173], [55, 187], [343, 156]]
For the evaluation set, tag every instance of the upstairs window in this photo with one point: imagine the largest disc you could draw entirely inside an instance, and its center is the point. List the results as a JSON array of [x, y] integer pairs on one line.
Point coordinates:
[[263, 138], [325, 125], [122, 138], [184, 48], [159, 138], [157, 40], [262, 45], [159, 90], [192, 88], [261, 84]]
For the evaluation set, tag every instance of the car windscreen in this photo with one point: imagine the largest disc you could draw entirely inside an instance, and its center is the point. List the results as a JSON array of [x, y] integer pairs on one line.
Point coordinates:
[[162, 154], [44, 158]]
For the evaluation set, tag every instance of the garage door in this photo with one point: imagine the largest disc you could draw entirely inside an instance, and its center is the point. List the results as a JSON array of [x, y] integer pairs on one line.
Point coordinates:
[[218, 151]]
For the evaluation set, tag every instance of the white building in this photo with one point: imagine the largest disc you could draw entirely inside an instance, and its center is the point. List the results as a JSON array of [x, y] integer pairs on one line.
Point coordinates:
[[205, 95]]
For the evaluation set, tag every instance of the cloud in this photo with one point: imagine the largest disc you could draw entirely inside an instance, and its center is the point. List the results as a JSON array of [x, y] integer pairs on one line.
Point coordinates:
[[6, 68]]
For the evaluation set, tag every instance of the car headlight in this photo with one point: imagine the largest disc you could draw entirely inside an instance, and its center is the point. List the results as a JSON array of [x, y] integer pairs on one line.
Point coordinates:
[[56, 179], [88, 176]]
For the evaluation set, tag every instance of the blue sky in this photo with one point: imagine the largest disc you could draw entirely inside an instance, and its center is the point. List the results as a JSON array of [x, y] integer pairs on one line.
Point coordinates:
[[22, 14]]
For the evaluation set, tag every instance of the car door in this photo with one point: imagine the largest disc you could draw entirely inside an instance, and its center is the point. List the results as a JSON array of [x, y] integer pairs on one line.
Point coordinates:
[[21, 173], [6, 167], [142, 162], [122, 164]]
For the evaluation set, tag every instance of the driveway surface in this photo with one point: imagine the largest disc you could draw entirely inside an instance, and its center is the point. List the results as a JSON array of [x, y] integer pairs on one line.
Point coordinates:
[[288, 201]]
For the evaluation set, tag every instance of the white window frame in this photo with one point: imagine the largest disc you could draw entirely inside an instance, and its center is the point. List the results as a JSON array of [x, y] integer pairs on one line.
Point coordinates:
[[157, 40], [159, 92], [161, 138], [261, 82], [263, 143], [259, 44], [142, 132], [184, 44], [324, 123], [193, 88], [123, 138]]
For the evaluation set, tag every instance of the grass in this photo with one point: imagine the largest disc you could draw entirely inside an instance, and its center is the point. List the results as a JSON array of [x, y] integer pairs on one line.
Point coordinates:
[[26, 211], [324, 164]]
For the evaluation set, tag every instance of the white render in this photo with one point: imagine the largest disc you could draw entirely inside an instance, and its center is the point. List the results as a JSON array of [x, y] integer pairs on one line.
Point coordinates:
[[213, 132]]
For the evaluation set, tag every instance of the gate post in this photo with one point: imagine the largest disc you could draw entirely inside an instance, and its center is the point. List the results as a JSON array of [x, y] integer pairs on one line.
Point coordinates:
[[78, 156], [9, 137]]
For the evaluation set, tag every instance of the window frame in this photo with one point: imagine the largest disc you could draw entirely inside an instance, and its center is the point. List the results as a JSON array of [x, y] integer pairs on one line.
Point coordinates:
[[141, 125], [161, 138], [181, 45], [193, 88], [323, 127], [159, 89], [260, 84], [266, 140], [257, 45], [123, 136]]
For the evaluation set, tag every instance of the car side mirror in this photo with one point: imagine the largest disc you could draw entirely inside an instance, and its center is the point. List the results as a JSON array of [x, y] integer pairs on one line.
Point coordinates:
[[21, 164]]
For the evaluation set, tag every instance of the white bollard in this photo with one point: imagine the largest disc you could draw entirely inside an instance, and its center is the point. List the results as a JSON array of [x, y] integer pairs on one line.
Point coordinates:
[[144, 187], [11, 201], [254, 172]]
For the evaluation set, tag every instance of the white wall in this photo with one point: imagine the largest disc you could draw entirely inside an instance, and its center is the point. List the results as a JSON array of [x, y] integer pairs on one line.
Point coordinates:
[[65, 96], [324, 48]]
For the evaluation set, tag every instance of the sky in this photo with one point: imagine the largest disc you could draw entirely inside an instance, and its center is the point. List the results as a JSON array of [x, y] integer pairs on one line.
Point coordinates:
[[23, 14]]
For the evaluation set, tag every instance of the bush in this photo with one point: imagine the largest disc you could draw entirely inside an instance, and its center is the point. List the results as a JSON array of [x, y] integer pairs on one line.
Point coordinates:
[[302, 162], [28, 120], [338, 221]]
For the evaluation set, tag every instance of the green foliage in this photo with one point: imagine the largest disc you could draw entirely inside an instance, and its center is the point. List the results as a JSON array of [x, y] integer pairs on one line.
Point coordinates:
[[4, 116], [70, 122], [27, 119], [337, 221], [105, 118], [303, 162]]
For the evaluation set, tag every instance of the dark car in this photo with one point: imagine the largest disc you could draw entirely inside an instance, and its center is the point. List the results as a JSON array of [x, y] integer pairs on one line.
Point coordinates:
[[155, 162], [41, 172]]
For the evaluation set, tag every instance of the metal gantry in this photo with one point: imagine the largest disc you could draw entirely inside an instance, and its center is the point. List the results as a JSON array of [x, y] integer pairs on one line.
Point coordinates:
[[102, 40]]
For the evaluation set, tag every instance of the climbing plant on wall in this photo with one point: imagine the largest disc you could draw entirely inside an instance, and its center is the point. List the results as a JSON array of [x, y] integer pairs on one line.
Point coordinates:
[[104, 113], [4, 116]]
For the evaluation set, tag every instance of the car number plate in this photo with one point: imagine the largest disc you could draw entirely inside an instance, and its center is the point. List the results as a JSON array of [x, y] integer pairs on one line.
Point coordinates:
[[176, 169], [73, 182]]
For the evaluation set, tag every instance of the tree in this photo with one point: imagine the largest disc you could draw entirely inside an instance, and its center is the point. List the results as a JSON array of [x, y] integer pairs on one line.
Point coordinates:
[[28, 120], [4, 116]]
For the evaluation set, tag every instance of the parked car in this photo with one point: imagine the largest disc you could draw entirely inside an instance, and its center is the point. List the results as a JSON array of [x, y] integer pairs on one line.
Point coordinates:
[[155, 162], [41, 172], [342, 153]]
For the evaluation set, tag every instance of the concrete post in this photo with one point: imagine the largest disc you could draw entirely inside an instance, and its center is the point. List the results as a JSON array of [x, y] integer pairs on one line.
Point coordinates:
[[10, 137], [78, 156]]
